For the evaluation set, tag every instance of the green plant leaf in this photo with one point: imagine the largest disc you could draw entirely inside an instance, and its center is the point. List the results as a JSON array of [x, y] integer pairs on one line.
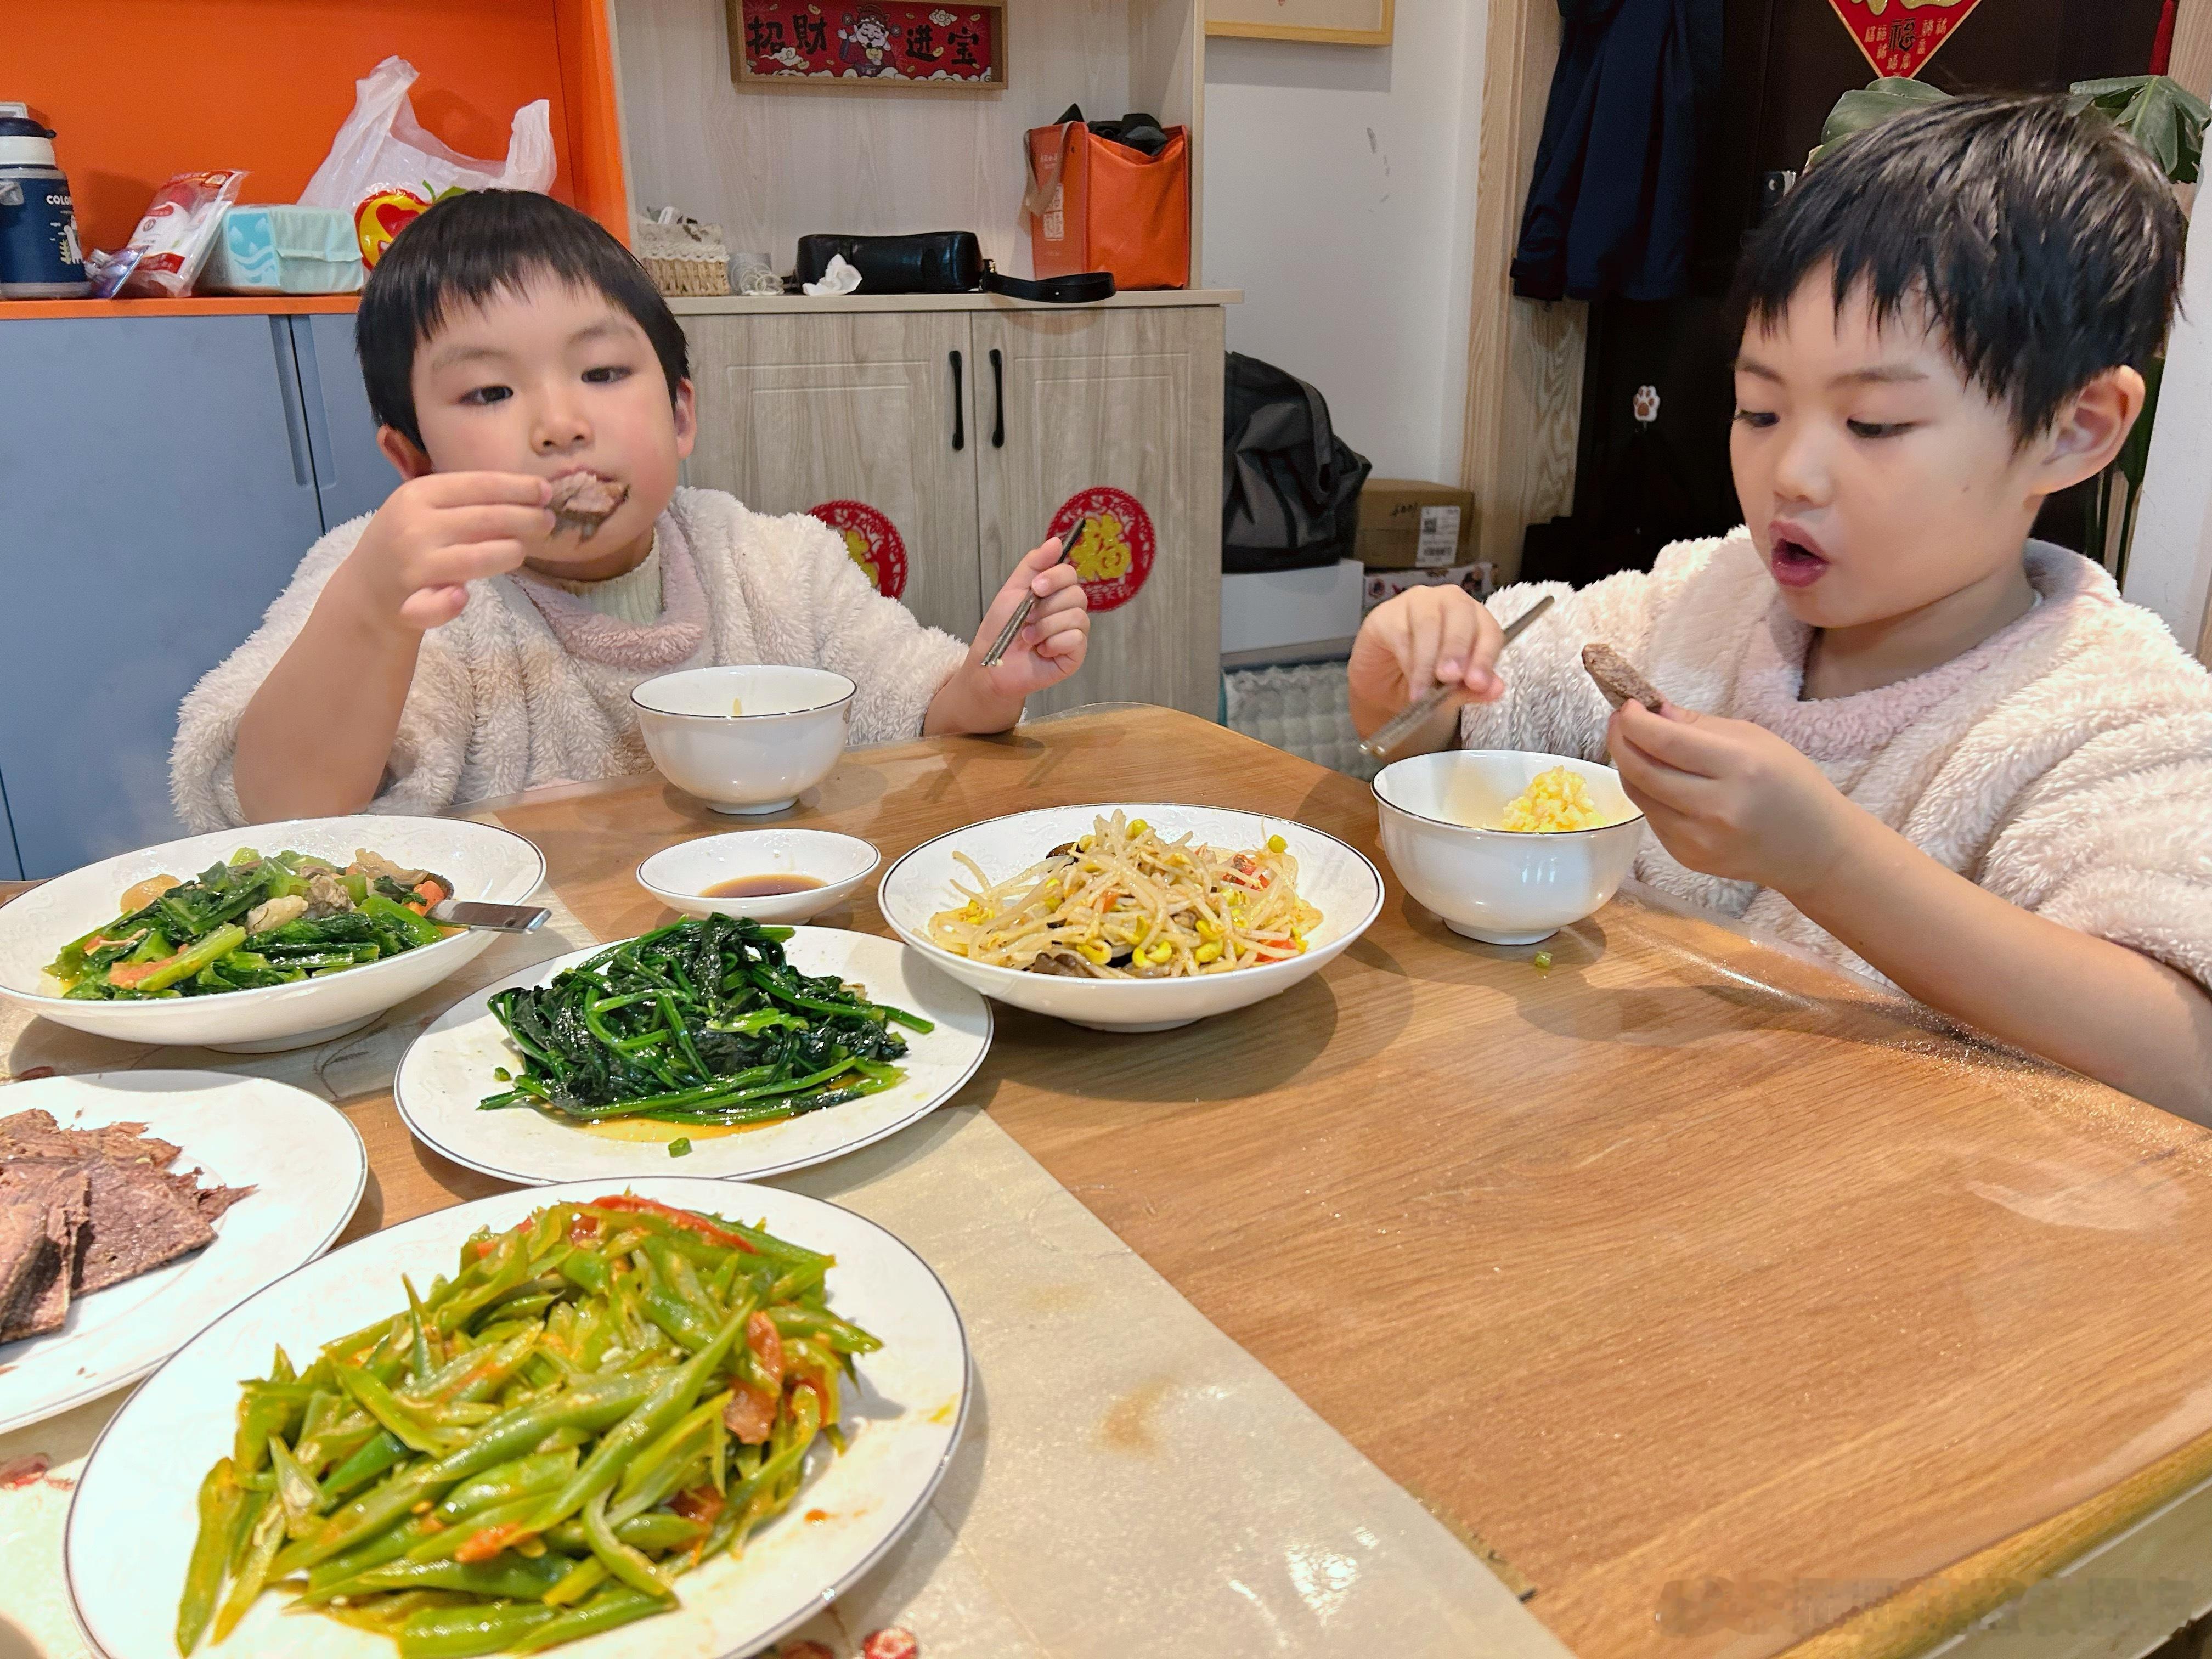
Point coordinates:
[[2158, 112], [1870, 106]]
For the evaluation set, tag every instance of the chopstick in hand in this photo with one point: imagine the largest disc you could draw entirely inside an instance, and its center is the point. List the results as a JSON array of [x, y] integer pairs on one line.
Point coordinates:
[[1395, 730], [998, 646]]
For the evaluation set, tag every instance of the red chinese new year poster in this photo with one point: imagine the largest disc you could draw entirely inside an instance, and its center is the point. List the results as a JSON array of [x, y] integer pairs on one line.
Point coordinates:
[[887, 40], [1899, 36]]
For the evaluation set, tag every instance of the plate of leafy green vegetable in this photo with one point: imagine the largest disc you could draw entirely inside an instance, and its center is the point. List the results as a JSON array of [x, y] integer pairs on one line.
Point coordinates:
[[734, 1049], [276, 937]]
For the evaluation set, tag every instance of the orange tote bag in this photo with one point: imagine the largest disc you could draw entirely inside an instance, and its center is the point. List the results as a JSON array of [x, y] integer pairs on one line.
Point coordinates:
[[1093, 205]]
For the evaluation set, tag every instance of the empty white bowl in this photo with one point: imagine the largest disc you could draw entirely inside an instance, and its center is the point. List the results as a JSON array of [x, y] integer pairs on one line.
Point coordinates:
[[1332, 877], [1502, 886], [680, 876], [481, 861], [746, 739]]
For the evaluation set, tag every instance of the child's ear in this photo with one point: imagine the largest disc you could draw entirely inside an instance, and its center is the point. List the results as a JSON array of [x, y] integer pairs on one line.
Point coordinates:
[[2091, 428], [687, 421], [404, 452]]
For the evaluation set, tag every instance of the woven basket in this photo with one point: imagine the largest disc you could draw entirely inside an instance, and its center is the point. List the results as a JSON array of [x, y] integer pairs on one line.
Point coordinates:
[[684, 258]]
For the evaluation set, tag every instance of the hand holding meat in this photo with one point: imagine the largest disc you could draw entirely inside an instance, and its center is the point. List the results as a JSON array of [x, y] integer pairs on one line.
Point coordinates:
[[1731, 799], [434, 536]]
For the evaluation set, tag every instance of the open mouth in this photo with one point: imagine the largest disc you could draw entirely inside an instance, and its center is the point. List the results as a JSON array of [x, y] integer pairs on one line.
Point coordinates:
[[1794, 560]]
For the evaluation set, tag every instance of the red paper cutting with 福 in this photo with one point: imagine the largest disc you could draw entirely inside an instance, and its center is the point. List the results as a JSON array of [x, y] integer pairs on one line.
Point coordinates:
[[1899, 36]]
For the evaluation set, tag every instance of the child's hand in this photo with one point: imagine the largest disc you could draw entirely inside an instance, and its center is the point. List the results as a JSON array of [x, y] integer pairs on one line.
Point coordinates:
[[1731, 799], [1053, 641], [435, 534], [1424, 637]]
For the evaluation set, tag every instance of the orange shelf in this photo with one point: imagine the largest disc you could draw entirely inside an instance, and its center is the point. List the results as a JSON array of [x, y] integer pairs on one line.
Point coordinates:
[[204, 304], [138, 90]]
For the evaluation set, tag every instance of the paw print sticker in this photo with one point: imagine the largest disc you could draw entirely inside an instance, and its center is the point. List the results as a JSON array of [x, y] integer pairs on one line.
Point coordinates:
[[1645, 405]]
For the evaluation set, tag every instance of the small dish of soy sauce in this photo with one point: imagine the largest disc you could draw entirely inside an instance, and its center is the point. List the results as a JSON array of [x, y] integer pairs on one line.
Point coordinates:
[[773, 876]]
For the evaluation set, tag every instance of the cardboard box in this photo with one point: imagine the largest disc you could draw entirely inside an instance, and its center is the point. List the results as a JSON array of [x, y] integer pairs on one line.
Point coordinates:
[[1479, 580], [1406, 524]]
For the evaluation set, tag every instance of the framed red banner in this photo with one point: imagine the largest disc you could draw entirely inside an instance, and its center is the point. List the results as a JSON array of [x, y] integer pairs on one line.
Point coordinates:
[[1898, 37], [864, 45]]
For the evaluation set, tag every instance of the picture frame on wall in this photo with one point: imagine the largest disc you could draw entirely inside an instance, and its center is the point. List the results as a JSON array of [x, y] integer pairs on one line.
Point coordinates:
[[883, 47], [1340, 22]]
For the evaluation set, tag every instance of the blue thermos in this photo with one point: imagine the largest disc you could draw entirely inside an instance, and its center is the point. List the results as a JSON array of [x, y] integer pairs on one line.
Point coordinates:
[[39, 255]]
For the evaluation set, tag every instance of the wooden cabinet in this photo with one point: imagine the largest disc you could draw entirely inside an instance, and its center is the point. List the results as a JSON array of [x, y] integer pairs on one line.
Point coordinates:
[[971, 425], [1121, 409], [796, 411]]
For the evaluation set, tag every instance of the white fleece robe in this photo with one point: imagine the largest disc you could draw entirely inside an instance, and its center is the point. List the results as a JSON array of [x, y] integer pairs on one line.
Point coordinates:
[[529, 685], [2064, 763]]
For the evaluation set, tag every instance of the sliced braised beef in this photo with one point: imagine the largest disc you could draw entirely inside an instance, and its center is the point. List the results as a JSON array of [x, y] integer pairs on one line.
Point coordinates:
[[582, 502], [54, 1191], [83, 1209]]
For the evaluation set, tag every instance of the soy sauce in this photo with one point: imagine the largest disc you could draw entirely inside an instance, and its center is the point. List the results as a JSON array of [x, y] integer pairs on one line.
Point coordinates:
[[762, 886]]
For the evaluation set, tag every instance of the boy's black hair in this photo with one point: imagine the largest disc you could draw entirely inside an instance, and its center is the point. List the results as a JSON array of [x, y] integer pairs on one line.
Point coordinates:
[[2045, 245], [465, 249]]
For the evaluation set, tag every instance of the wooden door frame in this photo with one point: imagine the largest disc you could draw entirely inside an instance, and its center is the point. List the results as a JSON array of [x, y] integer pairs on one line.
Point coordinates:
[[1524, 357]]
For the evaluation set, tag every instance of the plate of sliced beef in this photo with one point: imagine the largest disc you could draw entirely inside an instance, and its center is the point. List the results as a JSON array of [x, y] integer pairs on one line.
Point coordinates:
[[137, 1208]]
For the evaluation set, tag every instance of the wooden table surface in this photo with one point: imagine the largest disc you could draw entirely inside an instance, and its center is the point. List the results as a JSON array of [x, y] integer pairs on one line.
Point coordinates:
[[1708, 1289]]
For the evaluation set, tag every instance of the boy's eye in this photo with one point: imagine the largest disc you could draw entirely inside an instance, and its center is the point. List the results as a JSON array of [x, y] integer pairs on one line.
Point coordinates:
[[488, 394], [1879, 428], [606, 374], [1757, 419]]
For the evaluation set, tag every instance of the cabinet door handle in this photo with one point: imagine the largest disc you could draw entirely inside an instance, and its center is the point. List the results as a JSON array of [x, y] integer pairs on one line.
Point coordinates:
[[287, 393], [959, 408], [999, 386]]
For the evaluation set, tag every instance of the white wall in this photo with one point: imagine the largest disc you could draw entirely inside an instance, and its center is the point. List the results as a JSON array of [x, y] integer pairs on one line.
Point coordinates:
[[2170, 562], [1339, 196]]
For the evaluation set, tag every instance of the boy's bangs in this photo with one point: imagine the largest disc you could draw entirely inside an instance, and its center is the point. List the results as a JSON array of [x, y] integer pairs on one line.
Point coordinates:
[[2044, 247], [470, 250]]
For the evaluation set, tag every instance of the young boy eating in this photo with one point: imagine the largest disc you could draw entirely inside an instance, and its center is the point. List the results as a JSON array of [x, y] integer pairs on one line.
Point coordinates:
[[1895, 730], [482, 632]]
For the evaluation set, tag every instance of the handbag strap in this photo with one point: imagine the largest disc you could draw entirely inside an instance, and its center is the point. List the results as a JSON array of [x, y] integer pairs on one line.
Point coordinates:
[[1085, 287]]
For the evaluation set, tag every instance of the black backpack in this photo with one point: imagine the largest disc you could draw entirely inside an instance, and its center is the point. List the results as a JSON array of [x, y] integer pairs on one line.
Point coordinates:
[[1290, 486]]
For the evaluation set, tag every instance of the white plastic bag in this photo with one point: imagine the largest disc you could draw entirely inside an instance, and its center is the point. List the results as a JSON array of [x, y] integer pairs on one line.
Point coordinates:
[[384, 169]]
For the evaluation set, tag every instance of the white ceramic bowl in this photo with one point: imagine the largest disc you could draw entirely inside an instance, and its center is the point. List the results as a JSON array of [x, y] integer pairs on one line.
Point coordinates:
[[785, 734], [1502, 886], [480, 861], [1345, 888], [680, 876]]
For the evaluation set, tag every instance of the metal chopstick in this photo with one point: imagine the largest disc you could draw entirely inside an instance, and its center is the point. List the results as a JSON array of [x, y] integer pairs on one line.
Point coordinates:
[[1029, 600], [1394, 730]]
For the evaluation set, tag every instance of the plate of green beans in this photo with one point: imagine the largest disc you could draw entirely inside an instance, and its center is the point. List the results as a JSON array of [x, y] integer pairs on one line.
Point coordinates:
[[711, 1046], [674, 1418]]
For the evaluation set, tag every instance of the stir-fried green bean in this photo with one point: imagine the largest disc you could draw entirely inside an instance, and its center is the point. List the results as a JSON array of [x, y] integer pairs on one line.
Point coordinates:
[[700, 1022], [467, 1480]]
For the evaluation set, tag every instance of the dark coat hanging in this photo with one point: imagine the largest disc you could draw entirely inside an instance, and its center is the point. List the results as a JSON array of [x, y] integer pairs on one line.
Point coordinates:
[[1611, 205]]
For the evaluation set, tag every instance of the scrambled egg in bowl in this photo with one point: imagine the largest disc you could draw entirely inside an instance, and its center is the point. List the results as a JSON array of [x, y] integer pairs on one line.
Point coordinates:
[[1554, 801]]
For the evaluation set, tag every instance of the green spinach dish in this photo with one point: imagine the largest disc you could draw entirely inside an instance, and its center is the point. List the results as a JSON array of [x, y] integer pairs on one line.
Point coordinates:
[[703, 1022], [253, 922]]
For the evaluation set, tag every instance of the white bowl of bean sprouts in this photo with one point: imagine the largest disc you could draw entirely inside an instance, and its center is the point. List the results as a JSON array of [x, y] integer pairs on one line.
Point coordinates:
[[1132, 916]]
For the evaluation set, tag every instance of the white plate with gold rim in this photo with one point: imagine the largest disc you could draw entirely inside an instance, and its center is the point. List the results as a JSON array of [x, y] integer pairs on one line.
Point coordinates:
[[131, 1520], [300, 1156], [451, 1067]]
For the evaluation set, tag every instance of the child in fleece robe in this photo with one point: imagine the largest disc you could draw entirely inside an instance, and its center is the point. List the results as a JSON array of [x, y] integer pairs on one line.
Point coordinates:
[[463, 643], [1896, 730]]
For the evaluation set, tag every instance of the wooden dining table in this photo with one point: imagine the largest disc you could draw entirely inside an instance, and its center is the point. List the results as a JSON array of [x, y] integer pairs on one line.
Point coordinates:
[[1721, 1303]]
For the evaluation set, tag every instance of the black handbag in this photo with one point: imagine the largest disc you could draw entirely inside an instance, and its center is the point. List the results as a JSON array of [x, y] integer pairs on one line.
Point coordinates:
[[939, 262], [934, 262]]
